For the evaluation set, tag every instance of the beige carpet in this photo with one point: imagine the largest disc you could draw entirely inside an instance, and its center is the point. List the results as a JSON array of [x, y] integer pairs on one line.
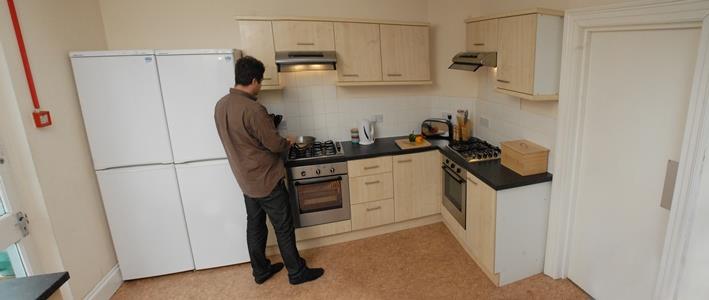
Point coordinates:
[[420, 263]]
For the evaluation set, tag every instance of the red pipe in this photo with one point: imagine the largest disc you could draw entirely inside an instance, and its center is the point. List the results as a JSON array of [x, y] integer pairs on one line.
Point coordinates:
[[23, 53]]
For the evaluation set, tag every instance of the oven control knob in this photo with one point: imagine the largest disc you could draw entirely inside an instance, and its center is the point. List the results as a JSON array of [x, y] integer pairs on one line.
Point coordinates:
[[332, 170], [317, 171], [447, 161], [457, 170], [302, 173]]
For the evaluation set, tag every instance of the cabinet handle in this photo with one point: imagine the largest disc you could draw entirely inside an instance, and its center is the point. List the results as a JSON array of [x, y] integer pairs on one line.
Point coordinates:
[[267, 78], [503, 81], [394, 75], [350, 75], [372, 182], [305, 44], [404, 160], [374, 208], [478, 44], [473, 182], [371, 167]]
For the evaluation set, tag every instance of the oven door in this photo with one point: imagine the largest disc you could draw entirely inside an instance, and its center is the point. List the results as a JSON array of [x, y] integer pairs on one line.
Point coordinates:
[[454, 194], [320, 200]]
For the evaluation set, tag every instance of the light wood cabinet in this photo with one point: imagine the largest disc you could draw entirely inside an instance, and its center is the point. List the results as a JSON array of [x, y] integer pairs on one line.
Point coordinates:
[[417, 185], [480, 224], [256, 41], [303, 36], [371, 188], [369, 166], [482, 36], [372, 214], [358, 52], [529, 56], [405, 53]]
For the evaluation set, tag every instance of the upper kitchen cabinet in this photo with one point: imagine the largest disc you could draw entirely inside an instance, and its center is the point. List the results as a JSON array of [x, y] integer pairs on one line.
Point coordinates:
[[405, 53], [481, 36], [528, 51], [358, 52], [257, 41], [303, 36]]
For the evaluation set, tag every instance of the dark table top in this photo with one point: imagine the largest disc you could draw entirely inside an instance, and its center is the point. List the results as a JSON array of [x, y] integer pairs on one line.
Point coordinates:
[[492, 172], [33, 287]]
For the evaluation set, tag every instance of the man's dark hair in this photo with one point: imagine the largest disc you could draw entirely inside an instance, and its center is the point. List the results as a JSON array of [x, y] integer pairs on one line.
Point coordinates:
[[247, 69]]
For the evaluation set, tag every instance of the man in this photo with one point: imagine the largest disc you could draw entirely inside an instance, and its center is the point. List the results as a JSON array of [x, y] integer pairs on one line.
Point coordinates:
[[252, 145]]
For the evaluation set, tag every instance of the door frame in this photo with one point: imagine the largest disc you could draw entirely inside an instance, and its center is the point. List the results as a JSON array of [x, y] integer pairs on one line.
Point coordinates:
[[579, 24]]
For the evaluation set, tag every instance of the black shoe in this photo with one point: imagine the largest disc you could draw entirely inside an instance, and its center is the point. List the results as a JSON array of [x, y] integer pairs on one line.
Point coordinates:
[[307, 275], [272, 270]]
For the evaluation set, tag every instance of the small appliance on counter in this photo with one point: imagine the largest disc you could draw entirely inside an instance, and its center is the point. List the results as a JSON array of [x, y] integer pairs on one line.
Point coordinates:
[[366, 132], [437, 129]]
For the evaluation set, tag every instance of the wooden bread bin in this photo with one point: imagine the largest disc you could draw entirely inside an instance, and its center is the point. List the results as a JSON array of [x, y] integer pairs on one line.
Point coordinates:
[[524, 157]]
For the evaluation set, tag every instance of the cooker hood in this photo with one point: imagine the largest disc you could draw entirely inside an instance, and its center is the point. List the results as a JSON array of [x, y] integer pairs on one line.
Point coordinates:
[[295, 61], [472, 61]]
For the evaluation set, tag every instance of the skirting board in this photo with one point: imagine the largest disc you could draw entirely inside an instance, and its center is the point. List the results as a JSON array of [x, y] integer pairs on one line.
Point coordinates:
[[360, 234], [108, 285]]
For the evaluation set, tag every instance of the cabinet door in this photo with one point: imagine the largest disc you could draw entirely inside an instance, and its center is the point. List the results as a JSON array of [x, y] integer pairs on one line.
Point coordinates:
[[515, 55], [303, 36], [480, 223], [405, 53], [482, 35], [358, 52], [417, 185], [257, 41]]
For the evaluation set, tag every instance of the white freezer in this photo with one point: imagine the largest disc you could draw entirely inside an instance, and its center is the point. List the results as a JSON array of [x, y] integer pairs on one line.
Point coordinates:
[[215, 213], [146, 220], [192, 82], [122, 108]]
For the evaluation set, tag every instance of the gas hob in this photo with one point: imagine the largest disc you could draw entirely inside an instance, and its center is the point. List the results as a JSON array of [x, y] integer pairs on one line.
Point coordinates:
[[316, 150], [475, 149]]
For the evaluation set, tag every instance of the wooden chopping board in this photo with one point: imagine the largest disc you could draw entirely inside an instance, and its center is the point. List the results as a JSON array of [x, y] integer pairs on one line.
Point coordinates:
[[405, 144]]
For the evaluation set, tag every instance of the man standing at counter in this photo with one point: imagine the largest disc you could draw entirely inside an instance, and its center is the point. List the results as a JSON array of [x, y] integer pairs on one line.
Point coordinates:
[[253, 147]]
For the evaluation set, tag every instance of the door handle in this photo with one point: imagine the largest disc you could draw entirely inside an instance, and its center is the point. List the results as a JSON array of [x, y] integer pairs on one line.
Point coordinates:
[[372, 182], [404, 160], [305, 44], [394, 75], [373, 208], [371, 167], [350, 75], [471, 181], [503, 81], [669, 189], [478, 44]]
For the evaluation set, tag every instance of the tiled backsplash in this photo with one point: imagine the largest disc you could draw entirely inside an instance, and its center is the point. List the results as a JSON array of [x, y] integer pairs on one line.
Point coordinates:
[[311, 105], [507, 120]]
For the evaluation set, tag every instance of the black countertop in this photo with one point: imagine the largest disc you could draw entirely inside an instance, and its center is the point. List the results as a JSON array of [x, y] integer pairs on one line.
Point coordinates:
[[492, 172], [33, 287]]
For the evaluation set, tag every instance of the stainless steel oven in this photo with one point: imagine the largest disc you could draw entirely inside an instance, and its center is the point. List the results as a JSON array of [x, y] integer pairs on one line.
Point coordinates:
[[454, 190], [319, 194]]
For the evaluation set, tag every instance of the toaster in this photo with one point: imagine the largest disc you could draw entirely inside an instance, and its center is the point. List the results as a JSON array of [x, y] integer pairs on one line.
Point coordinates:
[[437, 129]]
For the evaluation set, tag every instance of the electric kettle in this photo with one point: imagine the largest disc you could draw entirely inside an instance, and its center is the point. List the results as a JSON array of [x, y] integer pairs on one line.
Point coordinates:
[[366, 132]]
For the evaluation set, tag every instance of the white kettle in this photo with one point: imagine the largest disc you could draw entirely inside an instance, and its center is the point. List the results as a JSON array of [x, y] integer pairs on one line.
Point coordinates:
[[366, 132]]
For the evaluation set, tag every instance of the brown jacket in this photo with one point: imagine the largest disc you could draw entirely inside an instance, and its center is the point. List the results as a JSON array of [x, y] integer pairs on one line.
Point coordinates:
[[251, 142]]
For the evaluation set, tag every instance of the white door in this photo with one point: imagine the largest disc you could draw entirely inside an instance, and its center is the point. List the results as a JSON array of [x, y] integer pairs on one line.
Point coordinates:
[[215, 213], [147, 223], [11, 251], [192, 82], [122, 108], [638, 92]]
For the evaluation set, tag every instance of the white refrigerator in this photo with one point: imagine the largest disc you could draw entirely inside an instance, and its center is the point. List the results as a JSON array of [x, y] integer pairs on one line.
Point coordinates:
[[192, 82], [158, 159], [122, 107]]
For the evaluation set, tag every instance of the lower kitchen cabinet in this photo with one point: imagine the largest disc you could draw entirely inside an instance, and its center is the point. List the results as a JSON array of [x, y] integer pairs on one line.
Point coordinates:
[[372, 214], [417, 185], [506, 230]]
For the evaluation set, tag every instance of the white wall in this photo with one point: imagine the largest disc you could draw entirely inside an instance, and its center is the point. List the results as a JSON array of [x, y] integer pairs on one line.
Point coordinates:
[[60, 153]]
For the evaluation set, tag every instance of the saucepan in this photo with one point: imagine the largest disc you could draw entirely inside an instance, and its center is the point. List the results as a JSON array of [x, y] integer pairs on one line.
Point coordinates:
[[304, 141]]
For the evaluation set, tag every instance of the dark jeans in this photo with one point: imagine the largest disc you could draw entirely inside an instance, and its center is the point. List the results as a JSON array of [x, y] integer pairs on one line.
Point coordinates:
[[277, 207]]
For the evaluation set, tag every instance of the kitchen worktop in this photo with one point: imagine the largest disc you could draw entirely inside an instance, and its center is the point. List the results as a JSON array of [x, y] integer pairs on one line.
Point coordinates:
[[492, 172], [33, 287]]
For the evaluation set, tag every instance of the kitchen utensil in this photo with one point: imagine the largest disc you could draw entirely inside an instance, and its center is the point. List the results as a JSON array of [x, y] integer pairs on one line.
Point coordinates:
[[304, 141], [366, 132]]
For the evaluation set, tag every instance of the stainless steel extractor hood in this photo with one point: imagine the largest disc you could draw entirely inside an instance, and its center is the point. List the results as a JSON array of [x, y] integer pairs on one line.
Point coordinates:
[[294, 61], [472, 61]]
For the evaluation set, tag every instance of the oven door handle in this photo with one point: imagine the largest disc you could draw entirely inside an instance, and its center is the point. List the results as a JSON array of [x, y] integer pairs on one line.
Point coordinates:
[[455, 176], [317, 180]]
